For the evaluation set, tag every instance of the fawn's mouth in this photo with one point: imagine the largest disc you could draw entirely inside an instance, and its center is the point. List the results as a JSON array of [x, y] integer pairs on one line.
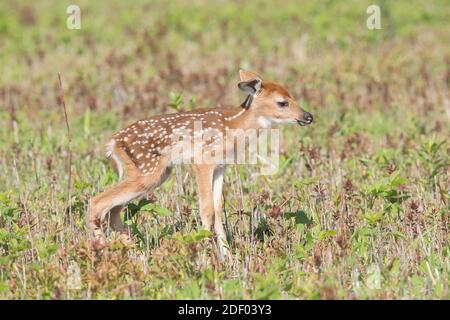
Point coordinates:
[[303, 122], [307, 119]]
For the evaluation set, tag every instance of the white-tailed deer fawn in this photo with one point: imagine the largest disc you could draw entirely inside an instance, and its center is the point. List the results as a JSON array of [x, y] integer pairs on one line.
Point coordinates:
[[143, 153]]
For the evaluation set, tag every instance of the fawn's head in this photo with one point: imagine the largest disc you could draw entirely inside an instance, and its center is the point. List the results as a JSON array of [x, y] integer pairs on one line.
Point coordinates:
[[272, 103]]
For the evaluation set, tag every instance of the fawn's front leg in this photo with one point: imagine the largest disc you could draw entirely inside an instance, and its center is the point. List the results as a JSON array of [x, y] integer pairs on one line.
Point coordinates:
[[204, 176], [222, 243], [210, 182]]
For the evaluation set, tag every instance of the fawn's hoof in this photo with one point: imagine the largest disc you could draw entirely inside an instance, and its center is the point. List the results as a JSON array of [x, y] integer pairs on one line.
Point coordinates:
[[223, 253], [125, 238], [99, 241]]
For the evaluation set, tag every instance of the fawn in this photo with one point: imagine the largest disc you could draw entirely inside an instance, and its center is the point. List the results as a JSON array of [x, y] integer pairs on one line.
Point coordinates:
[[142, 157]]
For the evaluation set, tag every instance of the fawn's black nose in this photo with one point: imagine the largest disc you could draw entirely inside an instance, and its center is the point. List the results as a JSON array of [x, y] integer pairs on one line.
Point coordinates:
[[308, 117]]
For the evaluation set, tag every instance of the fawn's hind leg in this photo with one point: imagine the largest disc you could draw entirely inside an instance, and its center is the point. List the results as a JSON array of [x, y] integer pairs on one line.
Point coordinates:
[[114, 219], [113, 199], [153, 182], [117, 196]]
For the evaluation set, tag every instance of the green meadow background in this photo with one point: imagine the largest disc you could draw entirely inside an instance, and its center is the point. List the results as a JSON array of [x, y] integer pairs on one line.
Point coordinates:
[[359, 208]]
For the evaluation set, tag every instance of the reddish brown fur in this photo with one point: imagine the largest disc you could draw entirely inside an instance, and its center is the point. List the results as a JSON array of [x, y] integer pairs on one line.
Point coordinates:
[[271, 87]]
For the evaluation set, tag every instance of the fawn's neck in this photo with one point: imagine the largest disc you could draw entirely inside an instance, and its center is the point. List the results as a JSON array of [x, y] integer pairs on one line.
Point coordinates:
[[241, 118]]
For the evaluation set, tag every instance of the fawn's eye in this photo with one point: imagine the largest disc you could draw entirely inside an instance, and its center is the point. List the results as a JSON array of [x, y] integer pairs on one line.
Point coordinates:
[[283, 104]]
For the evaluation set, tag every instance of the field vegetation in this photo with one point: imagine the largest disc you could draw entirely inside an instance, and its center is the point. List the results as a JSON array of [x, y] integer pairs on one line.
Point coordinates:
[[359, 208]]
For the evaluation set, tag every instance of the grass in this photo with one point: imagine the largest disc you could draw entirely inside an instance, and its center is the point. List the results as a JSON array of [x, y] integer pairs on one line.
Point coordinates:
[[358, 210]]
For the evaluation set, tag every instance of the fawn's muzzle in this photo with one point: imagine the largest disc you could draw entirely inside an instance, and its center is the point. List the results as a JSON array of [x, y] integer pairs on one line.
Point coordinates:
[[307, 119]]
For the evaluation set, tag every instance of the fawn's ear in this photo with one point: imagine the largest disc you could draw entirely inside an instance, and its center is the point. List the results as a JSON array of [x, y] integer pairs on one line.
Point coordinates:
[[251, 86], [248, 75]]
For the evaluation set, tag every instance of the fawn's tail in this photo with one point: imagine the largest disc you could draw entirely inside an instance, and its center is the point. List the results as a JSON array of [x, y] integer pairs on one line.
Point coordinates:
[[119, 159]]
